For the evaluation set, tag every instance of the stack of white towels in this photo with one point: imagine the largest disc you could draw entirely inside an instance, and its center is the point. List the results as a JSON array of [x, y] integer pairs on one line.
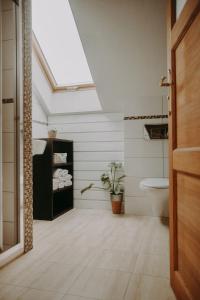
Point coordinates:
[[59, 158], [61, 179]]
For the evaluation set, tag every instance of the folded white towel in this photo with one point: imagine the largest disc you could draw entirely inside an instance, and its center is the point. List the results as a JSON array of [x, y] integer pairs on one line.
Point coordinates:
[[61, 185], [68, 183], [60, 158], [67, 177], [55, 185], [59, 173], [55, 180]]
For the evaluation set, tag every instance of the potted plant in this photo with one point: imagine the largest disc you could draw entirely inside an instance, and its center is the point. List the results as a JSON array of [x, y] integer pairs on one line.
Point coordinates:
[[112, 181]]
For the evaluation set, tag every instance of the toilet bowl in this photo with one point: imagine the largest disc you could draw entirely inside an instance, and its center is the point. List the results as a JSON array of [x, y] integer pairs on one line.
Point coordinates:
[[157, 190]]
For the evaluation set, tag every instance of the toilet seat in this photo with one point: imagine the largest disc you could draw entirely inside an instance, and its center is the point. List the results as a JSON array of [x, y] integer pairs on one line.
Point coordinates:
[[155, 183]]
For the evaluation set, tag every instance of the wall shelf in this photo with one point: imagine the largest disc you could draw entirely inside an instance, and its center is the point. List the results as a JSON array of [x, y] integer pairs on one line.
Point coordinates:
[[48, 204]]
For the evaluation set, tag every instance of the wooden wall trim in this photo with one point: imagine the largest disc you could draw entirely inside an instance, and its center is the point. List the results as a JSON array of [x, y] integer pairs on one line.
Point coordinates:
[[187, 16]]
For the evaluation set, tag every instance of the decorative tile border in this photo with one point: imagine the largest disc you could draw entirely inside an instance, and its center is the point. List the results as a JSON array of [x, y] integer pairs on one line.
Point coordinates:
[[145, 117], [27, 127]]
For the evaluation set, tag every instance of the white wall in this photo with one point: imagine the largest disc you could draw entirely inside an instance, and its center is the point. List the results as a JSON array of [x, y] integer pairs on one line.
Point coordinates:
[[143, 159], [98, 139], [125, 45], [39, 118]]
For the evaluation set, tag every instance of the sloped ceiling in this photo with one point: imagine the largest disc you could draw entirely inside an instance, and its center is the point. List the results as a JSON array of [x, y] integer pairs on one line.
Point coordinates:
[[125, 45]]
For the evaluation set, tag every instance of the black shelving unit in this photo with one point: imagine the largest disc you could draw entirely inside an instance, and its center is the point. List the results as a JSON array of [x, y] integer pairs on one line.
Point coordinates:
[[48, 204]]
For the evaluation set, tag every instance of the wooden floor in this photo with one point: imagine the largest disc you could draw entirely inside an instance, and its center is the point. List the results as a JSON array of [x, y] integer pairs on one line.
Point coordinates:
[[91, 254]]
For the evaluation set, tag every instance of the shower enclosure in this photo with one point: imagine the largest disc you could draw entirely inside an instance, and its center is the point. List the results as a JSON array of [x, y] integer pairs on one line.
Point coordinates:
[[11, 123]]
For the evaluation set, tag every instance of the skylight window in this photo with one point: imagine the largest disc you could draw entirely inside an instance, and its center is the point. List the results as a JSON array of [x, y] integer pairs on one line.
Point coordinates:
[[58, 37]]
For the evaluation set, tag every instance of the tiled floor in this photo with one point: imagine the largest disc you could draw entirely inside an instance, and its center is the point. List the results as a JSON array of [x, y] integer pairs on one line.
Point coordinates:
[[91, 254]]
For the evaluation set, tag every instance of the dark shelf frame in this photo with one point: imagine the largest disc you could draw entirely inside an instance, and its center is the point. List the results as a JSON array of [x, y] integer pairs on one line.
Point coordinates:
[[48, 204]]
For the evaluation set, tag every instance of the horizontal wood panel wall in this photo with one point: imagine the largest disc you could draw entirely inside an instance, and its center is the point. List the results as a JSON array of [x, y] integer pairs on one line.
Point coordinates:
[[98, 139], [143, 159]]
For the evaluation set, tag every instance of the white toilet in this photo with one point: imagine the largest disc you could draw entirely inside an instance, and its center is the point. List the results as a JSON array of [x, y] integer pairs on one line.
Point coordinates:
[[157, 190]]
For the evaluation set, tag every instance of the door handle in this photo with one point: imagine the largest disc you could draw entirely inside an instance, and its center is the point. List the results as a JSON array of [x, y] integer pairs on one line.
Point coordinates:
[[164, 82]]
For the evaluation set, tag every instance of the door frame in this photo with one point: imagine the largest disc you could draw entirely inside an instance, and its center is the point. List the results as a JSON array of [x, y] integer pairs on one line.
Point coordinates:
[[175, 32]]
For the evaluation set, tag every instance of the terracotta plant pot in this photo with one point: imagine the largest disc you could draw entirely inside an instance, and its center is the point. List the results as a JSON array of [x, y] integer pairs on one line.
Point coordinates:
[[116, 201]]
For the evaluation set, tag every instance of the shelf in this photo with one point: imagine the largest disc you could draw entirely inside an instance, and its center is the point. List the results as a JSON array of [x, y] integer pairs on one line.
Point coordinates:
[[63, 190], [58, 214], [49, 204], [62, 165]]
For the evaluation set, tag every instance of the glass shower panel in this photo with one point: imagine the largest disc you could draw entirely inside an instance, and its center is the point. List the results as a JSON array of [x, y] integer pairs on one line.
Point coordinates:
[[9, 189]]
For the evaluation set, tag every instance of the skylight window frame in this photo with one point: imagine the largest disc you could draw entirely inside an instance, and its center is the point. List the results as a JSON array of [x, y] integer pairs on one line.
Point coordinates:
[[49, 75]]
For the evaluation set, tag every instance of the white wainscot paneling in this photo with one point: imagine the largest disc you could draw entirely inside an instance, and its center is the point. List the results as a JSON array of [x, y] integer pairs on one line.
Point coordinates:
[[107, 136], [88, 127], [85, 118], [98, 140], [91, 195], [87, 175], [98, 146], [99, 156], [81, 184], [144, 167], [143, 148], [90, 166]]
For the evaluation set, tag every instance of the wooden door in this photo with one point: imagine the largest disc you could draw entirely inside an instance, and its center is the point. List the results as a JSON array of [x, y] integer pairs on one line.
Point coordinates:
[[184, 131]]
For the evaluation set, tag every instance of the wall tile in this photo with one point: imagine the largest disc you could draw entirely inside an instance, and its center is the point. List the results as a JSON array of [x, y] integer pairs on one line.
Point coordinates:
[[8, 28], [9, 207], [143, 148], [144, 167], [8, 84], [9, 233], [8, 147], [8, 56], [8, 177], [8, 117]]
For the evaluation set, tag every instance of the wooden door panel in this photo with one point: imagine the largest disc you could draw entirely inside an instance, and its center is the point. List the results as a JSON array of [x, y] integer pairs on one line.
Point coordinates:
[[188, 231], [184, 129], [187, 87]]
